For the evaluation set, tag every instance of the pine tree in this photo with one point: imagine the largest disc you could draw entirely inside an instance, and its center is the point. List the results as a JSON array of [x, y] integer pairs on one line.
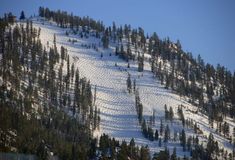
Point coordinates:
[[99, 119], [153, 116], [77, 96], [167, 134], [156, 135], [189, 143], [195, 128], [116, 50], [22, 16], [171, 114], [144, 129], [175, 135], [174, 156], [134, 85], [160, 142], [94, 100], [144, 153], [161, 128], [166, 112], [132, 147], [210, 145], [183, 139], [95, 118], [150, 134], [68, 74], [128, 82], [72, 72], [105, 39], [140, 62], [167, 84], [129, 54], [162, 155], [181, 115], [139, 107]]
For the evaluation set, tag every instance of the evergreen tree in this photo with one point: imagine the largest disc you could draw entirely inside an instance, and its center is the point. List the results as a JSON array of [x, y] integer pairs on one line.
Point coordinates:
[[162, 155], [144, 129], [105, 39], [174, 156], [144, 153], [160, 142], [181, 115], [156, 135], [166, 112], [150, 134], [128, 82], [161, 128], [134, 85], [22, 16], [167, 134], [211, 145], [153, 116], [140, 62], [189, 143], [183, 140], [171, 114]]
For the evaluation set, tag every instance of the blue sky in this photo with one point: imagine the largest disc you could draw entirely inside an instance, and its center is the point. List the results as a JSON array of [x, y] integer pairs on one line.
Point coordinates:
[[205, 27]]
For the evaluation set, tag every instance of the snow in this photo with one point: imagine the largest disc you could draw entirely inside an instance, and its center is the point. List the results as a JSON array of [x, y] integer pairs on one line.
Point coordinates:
[[118, 113]]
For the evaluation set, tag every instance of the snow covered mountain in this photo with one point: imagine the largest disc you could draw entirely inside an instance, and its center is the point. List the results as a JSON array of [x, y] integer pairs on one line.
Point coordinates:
[[118, 113], [145, 91]]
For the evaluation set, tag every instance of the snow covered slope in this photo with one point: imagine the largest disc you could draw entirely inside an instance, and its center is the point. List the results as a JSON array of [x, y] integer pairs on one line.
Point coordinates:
[[117, 106]]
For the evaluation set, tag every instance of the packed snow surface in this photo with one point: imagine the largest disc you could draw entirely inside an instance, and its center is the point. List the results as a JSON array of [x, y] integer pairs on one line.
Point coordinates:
[[118, 114]]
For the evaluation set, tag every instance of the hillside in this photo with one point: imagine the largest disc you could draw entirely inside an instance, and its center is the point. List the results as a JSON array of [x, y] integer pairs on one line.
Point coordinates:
[[134, 100], [117, 107]]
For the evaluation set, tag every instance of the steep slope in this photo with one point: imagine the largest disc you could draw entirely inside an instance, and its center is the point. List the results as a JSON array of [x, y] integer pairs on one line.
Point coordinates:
[[118, 115], [32, 119], [117, 106]]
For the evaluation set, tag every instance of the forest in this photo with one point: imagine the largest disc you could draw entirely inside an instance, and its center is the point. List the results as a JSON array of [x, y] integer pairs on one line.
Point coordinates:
[[47, 107]]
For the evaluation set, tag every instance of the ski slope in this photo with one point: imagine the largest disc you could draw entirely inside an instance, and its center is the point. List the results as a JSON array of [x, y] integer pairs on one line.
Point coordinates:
[[117, 106]]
